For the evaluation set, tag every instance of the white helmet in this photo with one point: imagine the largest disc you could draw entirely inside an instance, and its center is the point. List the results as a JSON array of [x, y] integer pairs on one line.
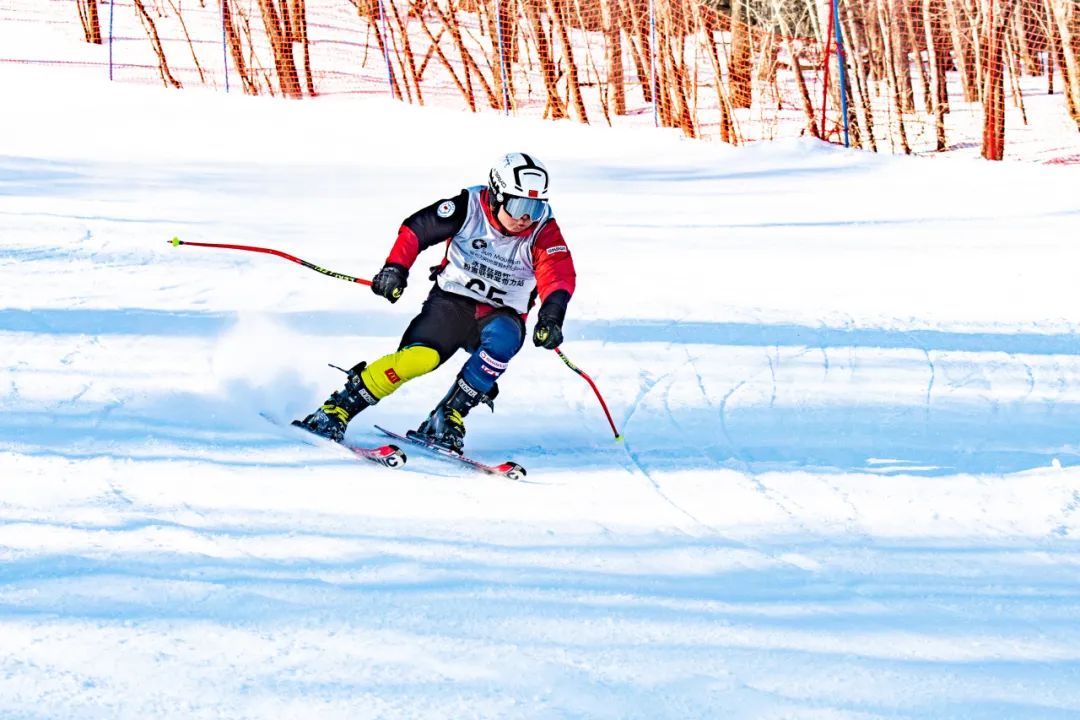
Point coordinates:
[[516, 177]]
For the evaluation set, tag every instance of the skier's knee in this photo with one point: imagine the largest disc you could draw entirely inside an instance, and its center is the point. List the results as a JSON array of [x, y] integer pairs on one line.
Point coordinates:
[[501, 338], [388, 373]]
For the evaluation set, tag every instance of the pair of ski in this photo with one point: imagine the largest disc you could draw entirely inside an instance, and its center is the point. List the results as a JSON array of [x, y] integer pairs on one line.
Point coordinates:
[[392, 456]]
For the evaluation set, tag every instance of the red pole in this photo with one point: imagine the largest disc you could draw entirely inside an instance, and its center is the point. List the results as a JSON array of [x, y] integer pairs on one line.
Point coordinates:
[[177, 242], [589, 380]]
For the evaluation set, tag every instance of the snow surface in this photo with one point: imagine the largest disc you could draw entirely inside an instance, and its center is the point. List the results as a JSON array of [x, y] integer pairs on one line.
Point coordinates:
[[849, 385]]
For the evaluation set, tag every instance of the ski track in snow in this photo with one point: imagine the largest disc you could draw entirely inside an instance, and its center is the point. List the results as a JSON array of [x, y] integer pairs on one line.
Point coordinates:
[[837, 497]]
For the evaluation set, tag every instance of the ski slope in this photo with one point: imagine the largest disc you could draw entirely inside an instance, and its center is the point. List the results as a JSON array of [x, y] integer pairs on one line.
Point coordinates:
[[849, 386]]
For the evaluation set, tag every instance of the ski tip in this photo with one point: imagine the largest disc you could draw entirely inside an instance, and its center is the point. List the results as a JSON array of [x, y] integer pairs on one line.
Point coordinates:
[[511, 470], [176, 242]]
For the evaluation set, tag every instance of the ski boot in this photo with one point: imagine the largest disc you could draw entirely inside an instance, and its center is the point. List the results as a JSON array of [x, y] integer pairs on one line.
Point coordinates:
[[445, 426], [331, 419]]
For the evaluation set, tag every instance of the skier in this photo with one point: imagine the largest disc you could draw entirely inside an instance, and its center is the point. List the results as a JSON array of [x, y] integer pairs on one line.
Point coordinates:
[[503, 250]]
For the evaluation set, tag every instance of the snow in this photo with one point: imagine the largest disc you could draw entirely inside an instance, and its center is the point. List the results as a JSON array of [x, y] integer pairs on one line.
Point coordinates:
[[849, 386]]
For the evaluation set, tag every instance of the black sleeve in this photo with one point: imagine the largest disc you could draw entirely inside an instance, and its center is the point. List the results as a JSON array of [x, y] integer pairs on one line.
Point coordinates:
[[554, 308], [439, 221]]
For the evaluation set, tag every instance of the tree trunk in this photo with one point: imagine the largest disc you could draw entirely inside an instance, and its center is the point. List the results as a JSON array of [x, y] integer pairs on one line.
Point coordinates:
[[916, 41], [663, 83], [887, 35], [844, 85], [646, 62], [710, 24], [376, 15], [613, 35], [278, 32], [414, 74], [555, 103], [299, 29], [804, 91], [446, 63], [963, 50], [1067, 15], [675, 73], [993, 145], [90, 19], [855, 43], [155, 41], [739, 71], [1028, 38], [469, 64], [500, 30], [898, 30], [933, 19], [573, 87], [236, 50]]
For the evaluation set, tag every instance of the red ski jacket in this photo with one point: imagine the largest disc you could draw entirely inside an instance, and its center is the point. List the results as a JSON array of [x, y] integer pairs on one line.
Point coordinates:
[[553, 265]]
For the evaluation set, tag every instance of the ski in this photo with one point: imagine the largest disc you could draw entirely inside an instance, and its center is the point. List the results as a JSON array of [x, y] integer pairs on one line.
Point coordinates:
[[389, 455], [509, 470], [386, 455]]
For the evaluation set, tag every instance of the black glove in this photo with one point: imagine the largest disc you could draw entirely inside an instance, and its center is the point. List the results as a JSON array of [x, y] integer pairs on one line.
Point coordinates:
[[390, 282], [548, 331]]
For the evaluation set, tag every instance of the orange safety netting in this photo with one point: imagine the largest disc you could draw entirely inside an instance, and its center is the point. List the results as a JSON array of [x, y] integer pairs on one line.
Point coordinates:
[[898, 76]]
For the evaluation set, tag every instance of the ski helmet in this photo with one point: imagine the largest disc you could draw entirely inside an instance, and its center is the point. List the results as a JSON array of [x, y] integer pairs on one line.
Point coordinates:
[[519, 182]]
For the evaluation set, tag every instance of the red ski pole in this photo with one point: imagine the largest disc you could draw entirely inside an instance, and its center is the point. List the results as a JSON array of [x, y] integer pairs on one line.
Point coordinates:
[[177, 242], [575, 368]]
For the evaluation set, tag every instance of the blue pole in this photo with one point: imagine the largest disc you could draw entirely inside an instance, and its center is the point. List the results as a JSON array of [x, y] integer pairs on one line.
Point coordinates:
[[224, 46], [111, 6], [502, 58], [652, 62], [386, 48], [842, 65]]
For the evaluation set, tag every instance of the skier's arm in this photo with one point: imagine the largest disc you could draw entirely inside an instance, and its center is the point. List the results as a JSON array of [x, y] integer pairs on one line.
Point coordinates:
[[555, 283], [429, 226]]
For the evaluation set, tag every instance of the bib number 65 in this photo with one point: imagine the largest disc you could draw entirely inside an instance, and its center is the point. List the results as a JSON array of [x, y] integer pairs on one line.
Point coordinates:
[[479, 286]]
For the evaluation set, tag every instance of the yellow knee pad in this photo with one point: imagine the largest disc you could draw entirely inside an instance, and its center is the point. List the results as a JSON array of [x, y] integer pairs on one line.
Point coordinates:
[[390, 372]]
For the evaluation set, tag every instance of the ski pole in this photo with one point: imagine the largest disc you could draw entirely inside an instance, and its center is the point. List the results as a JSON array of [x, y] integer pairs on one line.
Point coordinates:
[[177, 242], [575, 368]]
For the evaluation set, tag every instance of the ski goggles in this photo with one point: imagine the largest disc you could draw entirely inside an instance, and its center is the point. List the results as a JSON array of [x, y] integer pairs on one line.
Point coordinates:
[[519, 207]]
